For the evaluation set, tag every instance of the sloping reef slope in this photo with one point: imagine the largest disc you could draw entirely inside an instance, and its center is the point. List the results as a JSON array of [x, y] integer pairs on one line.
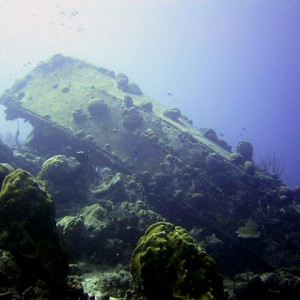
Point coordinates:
[[116, 162]]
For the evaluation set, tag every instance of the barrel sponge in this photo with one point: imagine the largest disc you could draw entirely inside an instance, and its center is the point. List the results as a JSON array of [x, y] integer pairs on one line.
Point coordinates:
[[210, 134], [168, 264], [246, 149]]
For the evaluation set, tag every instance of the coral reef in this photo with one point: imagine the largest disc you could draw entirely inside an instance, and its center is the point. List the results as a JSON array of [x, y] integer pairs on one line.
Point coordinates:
[[132, 118], [57, 168], [214, 163], [104, 233], [65, 90], [128, 101], [113, 175], [30, 244], [224, 145], [168, 264], [210, 134], [97, 108], [78, 115], [236, 158], [281, 284], [173, 113], [133, 88], [5, 169], [122, 81], [114, 283], [147, 106], [249, 167], [6, 154], [63, 177], [245, 149], [249, 230], [126, 86]]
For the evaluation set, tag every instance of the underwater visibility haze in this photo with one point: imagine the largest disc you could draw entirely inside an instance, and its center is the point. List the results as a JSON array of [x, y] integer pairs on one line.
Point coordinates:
[[149, 149], [232, 66]]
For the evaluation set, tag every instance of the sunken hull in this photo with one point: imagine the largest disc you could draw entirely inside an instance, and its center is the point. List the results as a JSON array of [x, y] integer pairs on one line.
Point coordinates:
[[160, 166]]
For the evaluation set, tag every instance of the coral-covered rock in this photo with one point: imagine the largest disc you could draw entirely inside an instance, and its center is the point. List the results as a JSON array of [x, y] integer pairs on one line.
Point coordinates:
[[214, 163], [97, 107], [173, 113], [28, 232], [283, 283], [168, 264], [224, 145], [6, 154], [58, 167], [236, 158], [114, 283], [62, 177], [129, 87], [249, 167], [78, 116], [132, 119], [246, 149], [128, 101], [5, 169], [210, 134], [133, 88], [122, 81], [10, 274], [147, 106]]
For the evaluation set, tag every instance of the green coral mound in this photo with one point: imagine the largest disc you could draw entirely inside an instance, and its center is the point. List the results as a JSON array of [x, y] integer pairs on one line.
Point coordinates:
[[97, 107], [59, 167], [168, 264], [28, 233], [5, 169]]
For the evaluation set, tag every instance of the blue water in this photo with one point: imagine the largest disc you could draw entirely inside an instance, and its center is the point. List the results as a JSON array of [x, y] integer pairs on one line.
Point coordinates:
[[233, 66]]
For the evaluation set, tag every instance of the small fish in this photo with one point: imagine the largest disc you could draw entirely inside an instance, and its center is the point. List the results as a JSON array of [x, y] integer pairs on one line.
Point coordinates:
[[221, 134], [169, 94], [74, 13], [243, 128]]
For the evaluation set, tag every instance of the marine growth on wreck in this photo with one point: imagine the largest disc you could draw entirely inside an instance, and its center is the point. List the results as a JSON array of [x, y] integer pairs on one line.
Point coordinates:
[[122, 178]]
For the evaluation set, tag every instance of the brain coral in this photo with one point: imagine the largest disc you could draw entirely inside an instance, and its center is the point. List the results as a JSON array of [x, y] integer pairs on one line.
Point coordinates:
[[97, 107], [168, 264], [59, 167]]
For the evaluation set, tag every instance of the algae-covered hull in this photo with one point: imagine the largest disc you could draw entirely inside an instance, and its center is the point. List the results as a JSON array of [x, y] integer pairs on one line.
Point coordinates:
[[138, 163], [78, 105]]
